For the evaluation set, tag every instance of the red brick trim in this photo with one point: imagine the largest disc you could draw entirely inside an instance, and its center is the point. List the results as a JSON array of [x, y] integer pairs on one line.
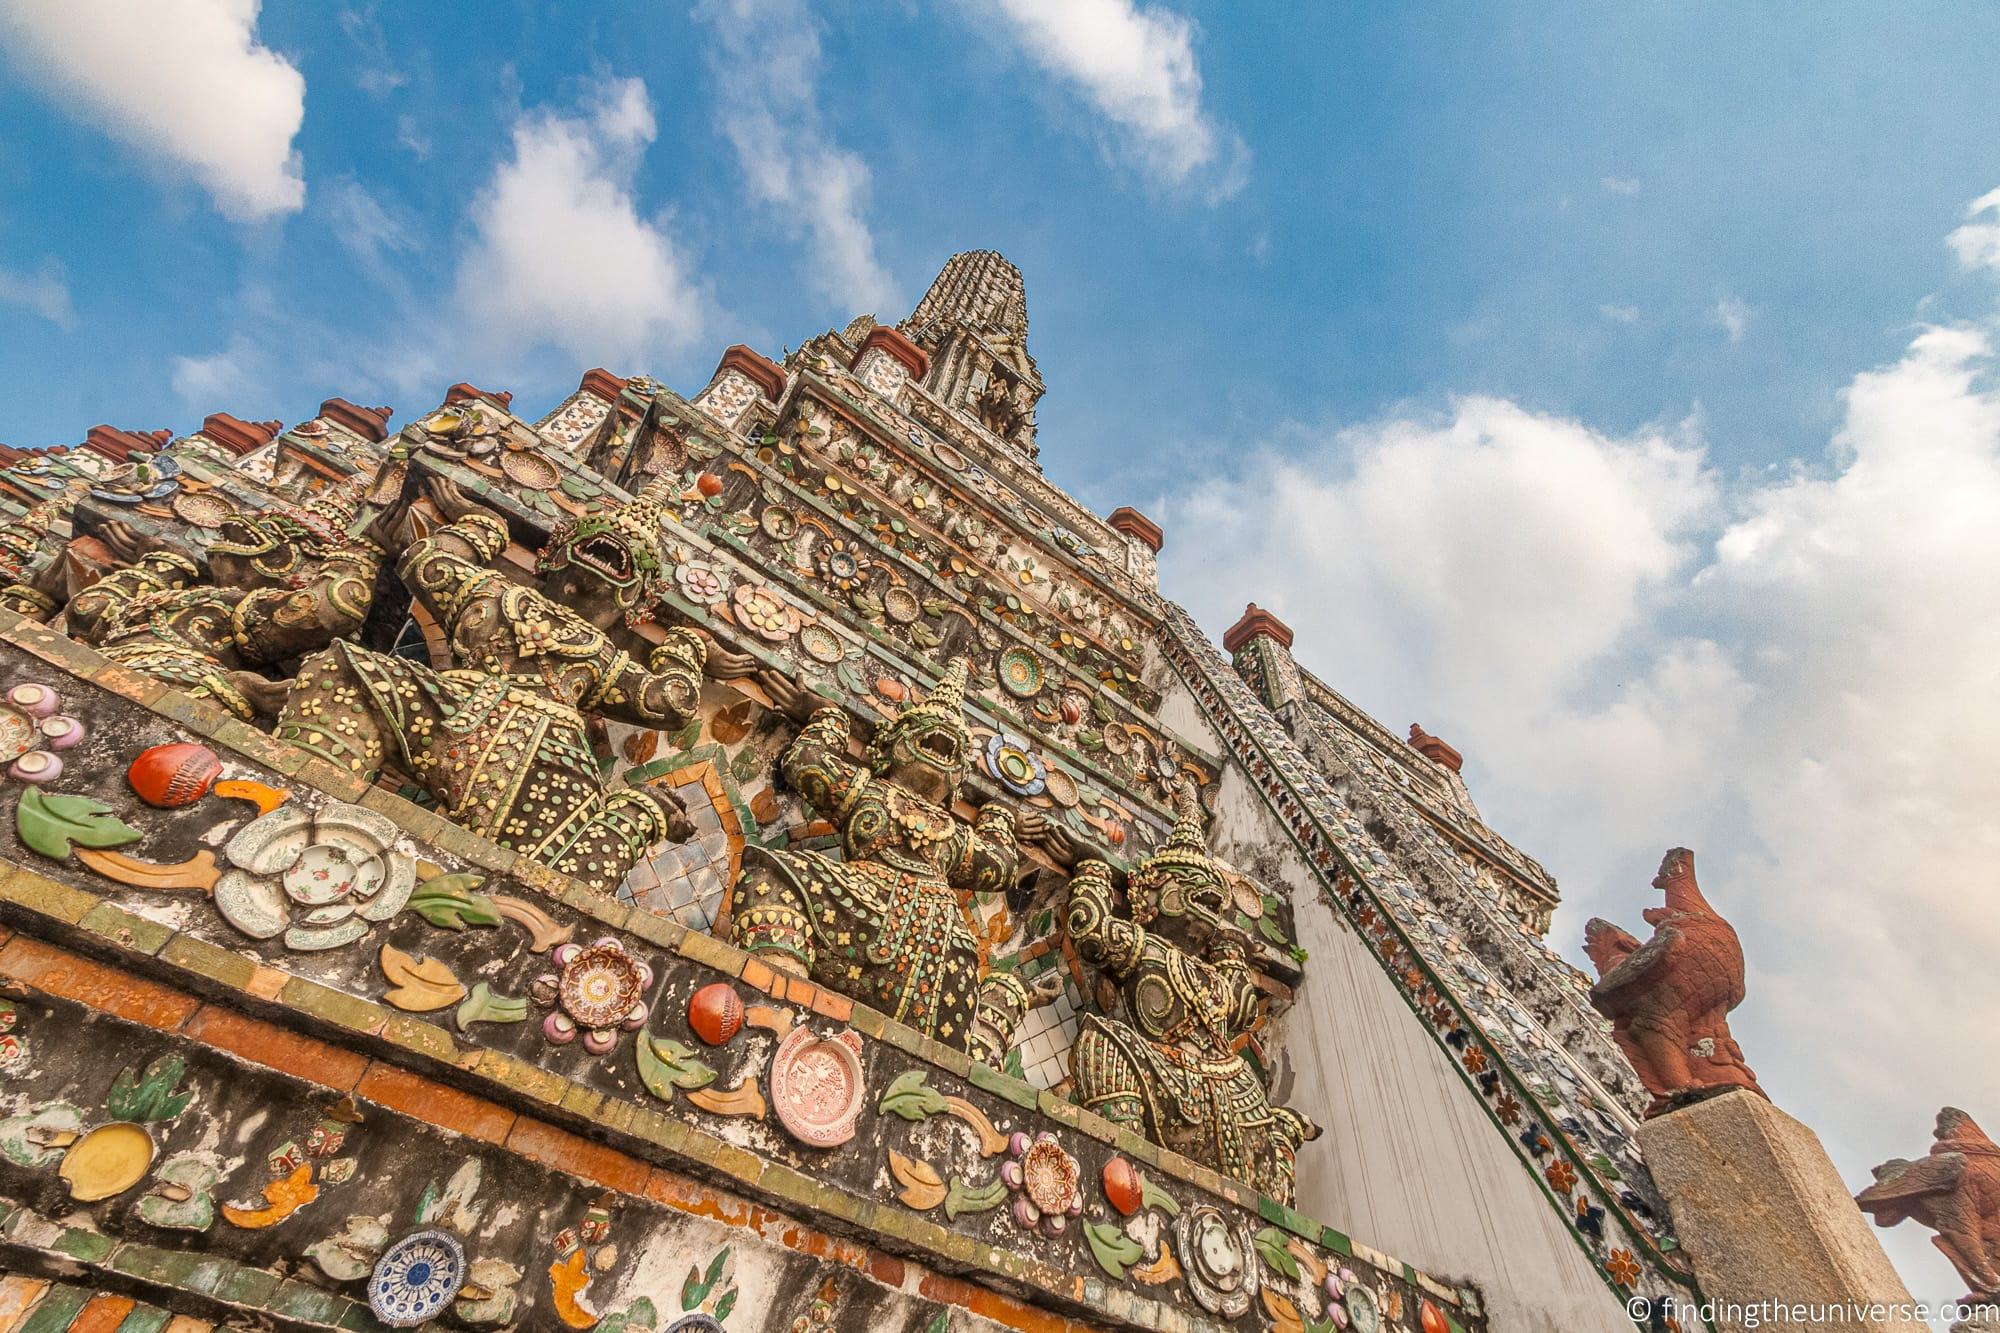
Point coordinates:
[[1134, 524], [766, 374], [1256, 623], [370, 423], [896, 345]]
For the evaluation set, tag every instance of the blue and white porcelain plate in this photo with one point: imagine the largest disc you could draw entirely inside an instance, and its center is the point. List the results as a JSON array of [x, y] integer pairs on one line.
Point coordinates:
[[416, 1278]]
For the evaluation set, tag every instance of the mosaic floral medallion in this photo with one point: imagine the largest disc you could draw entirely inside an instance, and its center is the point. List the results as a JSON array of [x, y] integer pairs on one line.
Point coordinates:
[[1021, 673], [599, 991], [416, 1279], [821, 644], [765, 614], [1364, 1311], [1217, 1256], [530, 470], [700, 583], [839, 565], [780, 523], [901, 606], [321, 879], [203, 509], [1044, 1179], [1009, 760], [949, 456], [816, 1086]]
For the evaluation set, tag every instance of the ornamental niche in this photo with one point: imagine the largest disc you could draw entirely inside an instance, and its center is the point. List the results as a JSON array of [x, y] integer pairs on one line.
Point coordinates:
[[1173, 1072]]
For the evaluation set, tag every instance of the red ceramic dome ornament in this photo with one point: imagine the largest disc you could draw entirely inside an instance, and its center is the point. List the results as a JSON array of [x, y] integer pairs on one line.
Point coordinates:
[[1434, 1320], [1123, 1186], [169, 776], [715, 1013]]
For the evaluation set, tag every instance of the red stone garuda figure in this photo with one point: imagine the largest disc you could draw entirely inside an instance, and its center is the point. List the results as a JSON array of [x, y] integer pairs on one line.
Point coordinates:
[[885, 922], [1172, 1072], [500, 740], [1955, 1191], [1669, 999], [284, 581]]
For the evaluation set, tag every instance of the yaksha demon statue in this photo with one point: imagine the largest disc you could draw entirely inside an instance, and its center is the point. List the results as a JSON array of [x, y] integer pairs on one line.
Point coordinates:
[[500, 740], [886, 924], [1955, 1191], [1669, 999], [285, 581], [1172, 1071]]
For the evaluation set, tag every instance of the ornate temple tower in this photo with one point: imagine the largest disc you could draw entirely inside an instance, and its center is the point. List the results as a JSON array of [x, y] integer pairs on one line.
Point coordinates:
[[974, 324], [878, 905]]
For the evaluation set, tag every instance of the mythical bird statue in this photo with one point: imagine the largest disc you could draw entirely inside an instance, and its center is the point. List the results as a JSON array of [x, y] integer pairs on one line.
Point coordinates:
[[1955, 1191], [1669, 999]]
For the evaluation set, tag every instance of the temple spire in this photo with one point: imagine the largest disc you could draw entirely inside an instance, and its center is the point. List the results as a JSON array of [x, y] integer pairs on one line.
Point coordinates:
[[973, 322]]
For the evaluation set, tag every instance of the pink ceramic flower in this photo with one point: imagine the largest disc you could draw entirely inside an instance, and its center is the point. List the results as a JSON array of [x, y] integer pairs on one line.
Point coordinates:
[[1044, 1180], [600, 991]]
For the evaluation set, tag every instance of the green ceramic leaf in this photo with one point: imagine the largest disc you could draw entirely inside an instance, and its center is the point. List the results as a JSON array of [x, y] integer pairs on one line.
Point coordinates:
[[725, 1305], [1270, 1244], [941, 1324], [1113, 1249], [1152, 1196], [665, 1064], [149, 1096], [910, 1097], [448, 902], [961, 1198], [484, 1005], [49, 824]]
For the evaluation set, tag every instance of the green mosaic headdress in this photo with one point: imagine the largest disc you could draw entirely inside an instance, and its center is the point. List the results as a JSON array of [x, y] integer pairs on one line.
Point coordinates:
[[277, 536], [934, 729], [1181, 879], [622, 546]]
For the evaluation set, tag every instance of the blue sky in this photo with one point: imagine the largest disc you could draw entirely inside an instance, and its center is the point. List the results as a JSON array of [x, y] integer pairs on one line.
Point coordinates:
[[1610, 388]]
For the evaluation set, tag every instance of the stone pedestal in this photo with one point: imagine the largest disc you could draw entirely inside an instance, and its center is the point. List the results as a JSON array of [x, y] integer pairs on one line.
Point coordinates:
[[1764, 1217]]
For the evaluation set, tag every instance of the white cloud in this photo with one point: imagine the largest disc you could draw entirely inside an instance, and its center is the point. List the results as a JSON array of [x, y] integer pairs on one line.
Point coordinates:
[[562, 257], [44, 291], [375, 70], [185, 82], [1620, 314], [1732, 316], [366, 229], [221, 378], [1135, 64], [766, 62], [1977, 243], [1795, 676], [1625, 186], [410, 136]]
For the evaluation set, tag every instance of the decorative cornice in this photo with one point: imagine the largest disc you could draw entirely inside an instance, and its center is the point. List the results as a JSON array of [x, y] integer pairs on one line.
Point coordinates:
[[1137, 526], [601, 383], [462, 392], [238, 436], [760, 370], [370, 423], [119, 445], [896, 345], [1257, 623]]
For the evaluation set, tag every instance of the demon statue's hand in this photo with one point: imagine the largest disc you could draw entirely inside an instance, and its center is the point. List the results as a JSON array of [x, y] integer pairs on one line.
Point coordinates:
[[1035, 829], [125, 542]]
